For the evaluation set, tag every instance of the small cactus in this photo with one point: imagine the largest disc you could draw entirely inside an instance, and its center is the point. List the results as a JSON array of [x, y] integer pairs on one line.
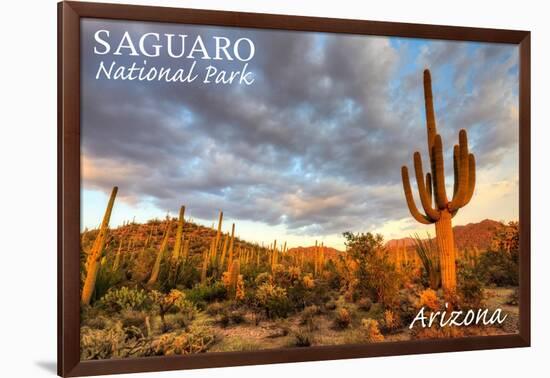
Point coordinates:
[[96, 252]]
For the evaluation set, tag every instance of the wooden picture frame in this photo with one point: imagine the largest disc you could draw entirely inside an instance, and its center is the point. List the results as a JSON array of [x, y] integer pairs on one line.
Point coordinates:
[[69, 185]]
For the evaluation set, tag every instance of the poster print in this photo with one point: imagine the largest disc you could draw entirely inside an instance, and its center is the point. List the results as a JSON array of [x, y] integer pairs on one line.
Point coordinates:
[[247, 189]]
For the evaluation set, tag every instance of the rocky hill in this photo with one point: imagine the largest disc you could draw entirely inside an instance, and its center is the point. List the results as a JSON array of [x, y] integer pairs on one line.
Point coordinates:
[[467, 236]]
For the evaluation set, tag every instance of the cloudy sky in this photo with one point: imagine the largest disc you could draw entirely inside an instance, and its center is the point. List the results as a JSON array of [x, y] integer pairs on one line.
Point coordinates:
[[311, 149]]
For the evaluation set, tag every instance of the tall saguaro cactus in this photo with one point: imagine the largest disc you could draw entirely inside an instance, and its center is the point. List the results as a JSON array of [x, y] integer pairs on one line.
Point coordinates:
[[160, 254], [92, 263], [437, 207], [179, 233], [175, 258]]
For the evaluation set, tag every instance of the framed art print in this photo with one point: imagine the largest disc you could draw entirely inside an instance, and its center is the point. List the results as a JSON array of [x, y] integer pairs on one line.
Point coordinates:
[[239, 188]]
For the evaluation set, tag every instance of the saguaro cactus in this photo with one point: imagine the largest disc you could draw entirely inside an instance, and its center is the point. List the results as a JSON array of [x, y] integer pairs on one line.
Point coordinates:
[[156, 267], [231, 243], [179, 234], [96, 252], [224, 250], [175, 259], [204, 267], [219, 232], [116, 263], [234, 277], [438, 209]]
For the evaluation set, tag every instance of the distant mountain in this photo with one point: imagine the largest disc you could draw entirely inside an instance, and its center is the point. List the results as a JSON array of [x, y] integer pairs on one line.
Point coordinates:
[[468, 236], [330, 253], [476, 234], [394, 243]]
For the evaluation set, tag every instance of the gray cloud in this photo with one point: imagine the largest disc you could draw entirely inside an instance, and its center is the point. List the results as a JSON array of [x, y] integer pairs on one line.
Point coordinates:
[[316, 143]]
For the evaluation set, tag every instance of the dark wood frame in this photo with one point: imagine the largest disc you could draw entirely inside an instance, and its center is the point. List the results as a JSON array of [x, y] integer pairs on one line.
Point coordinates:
[[69, 14]]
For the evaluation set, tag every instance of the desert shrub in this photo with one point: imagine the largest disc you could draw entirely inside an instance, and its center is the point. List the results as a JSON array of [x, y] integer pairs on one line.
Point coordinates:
[[231, 317], [174, 300], [263, 278], [302, 338], [498, 268], [273, 300], [125, 298], [513, 298], [364, 304], [240, 290], [215, 308], [308, 281], [106, 279], [352, 293], [195, 340], [133, 318], [188, 275], [114, 342], [302, 295], [408, 306], [500, 264], [307, 317], [342, 318], [332, 276], [431, 270], [280, 275], [390, 321], [428, 298], [179, 320], [384, 281], [203, 294], [372, 274], [96, 322], [470, 289], [370, 331], [506, 240], [140, 268], [294, 273], [330, 305]]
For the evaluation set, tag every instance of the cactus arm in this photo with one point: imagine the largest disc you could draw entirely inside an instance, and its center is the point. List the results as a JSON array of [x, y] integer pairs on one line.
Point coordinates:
[[456, 169], [421, 218], [438, 172], [471, 178], [430, 113], [429, 187], [425, 199], [462, 189]]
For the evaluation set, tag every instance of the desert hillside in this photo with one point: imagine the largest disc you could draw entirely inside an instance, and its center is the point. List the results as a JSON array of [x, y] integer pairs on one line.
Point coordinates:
[[472, 235]]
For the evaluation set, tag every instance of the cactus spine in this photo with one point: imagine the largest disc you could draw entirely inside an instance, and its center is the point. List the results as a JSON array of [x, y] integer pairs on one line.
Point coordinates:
[[162, 250], [96, 252], [437, 207]]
